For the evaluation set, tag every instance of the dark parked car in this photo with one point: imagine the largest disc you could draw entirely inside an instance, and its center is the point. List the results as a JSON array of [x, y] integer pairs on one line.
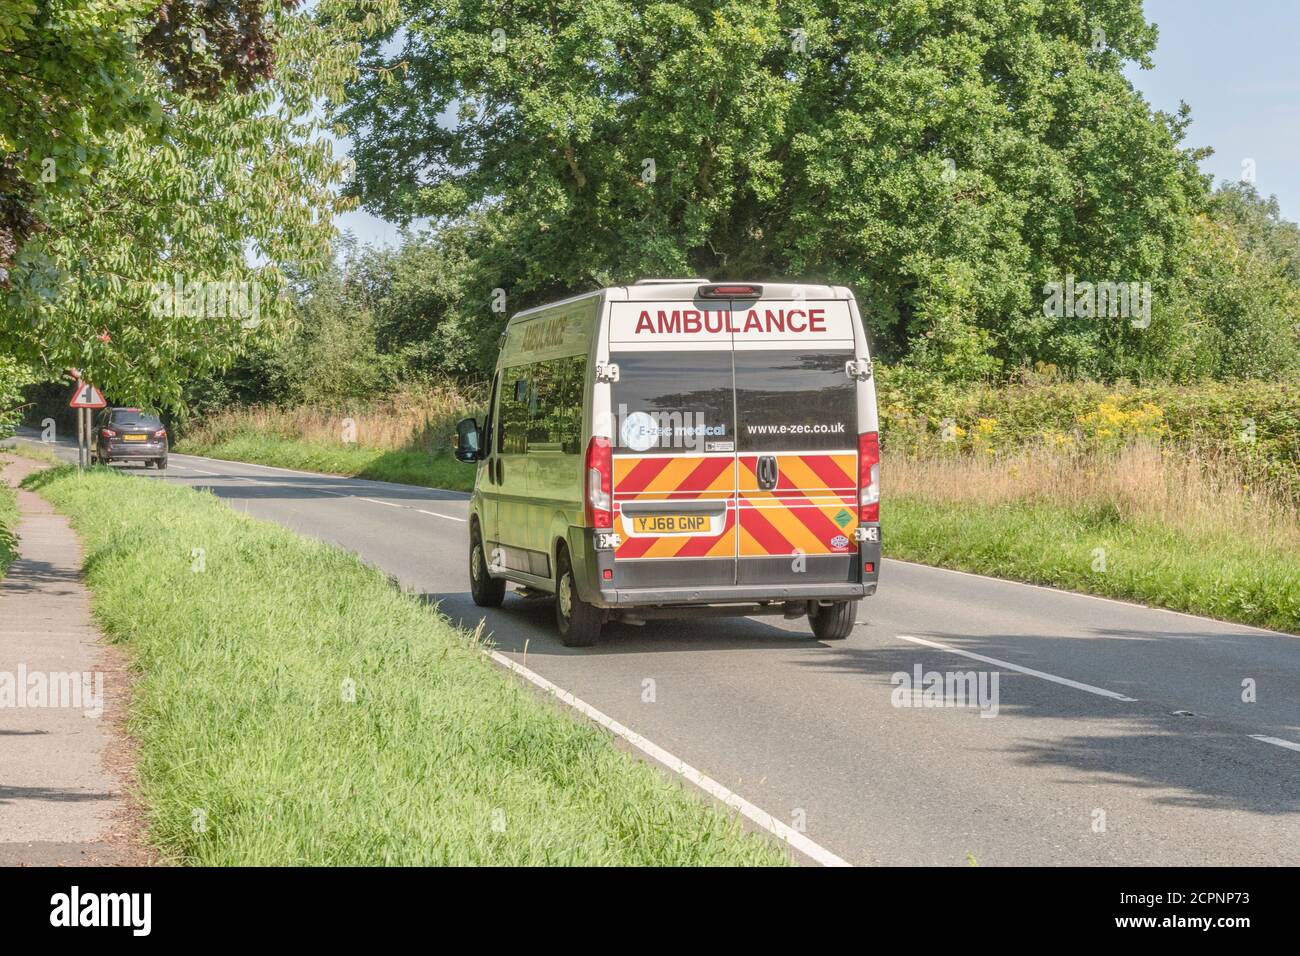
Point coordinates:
[[129, 434]]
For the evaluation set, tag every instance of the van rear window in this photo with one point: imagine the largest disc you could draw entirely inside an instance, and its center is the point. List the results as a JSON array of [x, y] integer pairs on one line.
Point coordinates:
[[795, 401], [673, 402]]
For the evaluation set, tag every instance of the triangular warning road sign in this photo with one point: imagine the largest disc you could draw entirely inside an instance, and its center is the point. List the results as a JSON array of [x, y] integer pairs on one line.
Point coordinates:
[[86, 396]]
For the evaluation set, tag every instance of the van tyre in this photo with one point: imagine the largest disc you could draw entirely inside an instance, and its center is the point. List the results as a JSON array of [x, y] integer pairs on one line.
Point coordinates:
[[578, 622], [832, 623], [486, 590]]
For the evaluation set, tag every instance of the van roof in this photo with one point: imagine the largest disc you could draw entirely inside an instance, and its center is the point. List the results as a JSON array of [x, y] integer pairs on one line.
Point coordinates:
[[679, 290], [667, 290]]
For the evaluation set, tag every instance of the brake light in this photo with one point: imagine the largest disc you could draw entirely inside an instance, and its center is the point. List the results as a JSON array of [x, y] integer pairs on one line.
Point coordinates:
[[600, 484], [160, 433], [108, 433], [869, 476], [723, 291]]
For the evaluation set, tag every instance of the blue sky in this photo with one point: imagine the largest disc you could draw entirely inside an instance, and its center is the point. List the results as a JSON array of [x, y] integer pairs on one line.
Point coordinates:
[[1235, 64]]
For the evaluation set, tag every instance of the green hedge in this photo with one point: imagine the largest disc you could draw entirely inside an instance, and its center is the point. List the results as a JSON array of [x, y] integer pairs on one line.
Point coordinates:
[[1252, 425]]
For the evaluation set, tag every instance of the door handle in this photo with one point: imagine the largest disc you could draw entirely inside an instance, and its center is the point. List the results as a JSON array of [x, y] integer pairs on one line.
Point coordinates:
[[767, 472], [501, 471]]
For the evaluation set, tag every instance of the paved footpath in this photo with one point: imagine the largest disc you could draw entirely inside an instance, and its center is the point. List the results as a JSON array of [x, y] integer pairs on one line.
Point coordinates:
[[62, 801]]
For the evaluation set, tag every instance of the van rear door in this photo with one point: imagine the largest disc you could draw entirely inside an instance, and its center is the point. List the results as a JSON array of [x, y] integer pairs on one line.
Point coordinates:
[[735, 432], [796, 420], [674, 461]]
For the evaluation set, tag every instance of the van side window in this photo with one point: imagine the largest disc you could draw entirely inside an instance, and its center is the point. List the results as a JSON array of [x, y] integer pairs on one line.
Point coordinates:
[[513, 430], [555, 423], [488, 420]]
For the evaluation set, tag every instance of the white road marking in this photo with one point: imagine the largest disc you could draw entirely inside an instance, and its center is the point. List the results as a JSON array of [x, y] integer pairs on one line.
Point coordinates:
[[463, 495], [1276, 741], [439, 515], [376, 501], [1043, 675], [762, 818]]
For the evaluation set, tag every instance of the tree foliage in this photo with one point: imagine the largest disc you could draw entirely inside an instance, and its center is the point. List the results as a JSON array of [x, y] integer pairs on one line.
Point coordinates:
[[143, 169], [945, 158]]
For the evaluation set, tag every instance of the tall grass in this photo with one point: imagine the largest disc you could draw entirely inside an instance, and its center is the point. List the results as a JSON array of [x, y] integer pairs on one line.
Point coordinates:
[[422, 420], [1138, 482], [8, 526], [414, 420], [406, 437], [1139, 522]]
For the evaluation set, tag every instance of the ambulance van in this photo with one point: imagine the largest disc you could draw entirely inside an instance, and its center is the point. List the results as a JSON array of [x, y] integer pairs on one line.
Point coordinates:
[[680, 448]]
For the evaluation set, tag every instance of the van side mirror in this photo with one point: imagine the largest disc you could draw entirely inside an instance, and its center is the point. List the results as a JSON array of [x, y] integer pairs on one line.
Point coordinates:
[[469, 440]]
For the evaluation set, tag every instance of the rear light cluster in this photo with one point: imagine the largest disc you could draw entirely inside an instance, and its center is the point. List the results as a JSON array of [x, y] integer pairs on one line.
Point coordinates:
[[160, 433], [108, 433], [600, 484], [869, 476]]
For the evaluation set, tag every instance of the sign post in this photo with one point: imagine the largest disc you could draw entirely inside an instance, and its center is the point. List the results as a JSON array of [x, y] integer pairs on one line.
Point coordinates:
[[83, 400]]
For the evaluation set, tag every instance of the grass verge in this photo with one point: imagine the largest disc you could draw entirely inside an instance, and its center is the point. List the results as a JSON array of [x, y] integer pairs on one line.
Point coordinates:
[[1139, 525], [34, 452], [8, 526], [408, 467], [248, 651]]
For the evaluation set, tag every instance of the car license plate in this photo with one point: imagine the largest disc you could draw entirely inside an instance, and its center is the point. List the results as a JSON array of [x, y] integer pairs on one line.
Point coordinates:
[[134, 437], [670, 524]]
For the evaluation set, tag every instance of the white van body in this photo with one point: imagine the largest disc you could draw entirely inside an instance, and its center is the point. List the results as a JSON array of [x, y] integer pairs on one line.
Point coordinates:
[[678, 447]]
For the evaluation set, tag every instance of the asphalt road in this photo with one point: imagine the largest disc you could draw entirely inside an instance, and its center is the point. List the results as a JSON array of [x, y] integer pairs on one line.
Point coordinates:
[[1120, 737]]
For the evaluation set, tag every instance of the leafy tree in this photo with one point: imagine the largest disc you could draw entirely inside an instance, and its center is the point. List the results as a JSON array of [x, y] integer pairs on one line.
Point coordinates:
[[150, 180], [13, 377], [71, 72], [944, 158], [1241, 307], [1259, 225]]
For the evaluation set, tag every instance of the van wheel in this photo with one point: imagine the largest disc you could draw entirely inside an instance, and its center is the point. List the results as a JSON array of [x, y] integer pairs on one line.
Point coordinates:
[[578, 622], [486, 590], [833, 623]]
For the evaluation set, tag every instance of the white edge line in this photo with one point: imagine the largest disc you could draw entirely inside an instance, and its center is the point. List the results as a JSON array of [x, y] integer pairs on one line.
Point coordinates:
[[462, 495], [376, 501], [437, 514], [762, 818], [1276, 741], [1090, 597], [1099, 691]]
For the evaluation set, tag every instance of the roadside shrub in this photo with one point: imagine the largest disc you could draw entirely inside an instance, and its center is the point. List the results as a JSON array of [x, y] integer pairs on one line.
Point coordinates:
[[1252, 427]]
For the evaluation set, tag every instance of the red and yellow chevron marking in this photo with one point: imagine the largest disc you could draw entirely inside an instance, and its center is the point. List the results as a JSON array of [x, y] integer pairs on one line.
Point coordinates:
[[674, 476], [814, 502], [677, 477], [821, 475]]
